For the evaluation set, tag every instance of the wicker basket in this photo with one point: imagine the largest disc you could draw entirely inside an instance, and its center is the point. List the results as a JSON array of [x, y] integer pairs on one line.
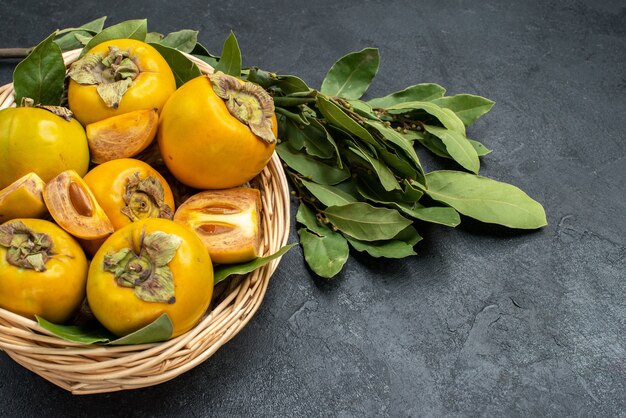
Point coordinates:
[[94, 369]]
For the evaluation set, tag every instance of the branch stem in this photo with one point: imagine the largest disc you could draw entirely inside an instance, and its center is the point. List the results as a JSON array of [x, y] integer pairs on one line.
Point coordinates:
[[14, 52]]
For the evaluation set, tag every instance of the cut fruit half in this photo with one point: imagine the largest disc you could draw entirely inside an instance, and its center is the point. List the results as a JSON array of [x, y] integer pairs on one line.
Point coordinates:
[[122, 136], [74, 208], [23, 198], [227, 222]]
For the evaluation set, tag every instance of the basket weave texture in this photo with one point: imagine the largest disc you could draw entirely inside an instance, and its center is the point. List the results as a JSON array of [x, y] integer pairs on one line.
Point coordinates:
[[84, 369]]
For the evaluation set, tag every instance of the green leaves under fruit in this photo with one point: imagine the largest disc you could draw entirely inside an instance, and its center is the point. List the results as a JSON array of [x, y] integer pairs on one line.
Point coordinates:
[[78, 37], [159, 330], [485, 199], [131, 29], [183, 69], [41, 75], [230, 61], [351, 75], [183, 40], [222, 272]]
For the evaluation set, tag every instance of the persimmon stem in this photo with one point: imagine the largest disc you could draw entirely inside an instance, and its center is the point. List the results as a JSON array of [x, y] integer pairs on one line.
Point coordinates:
[[14, 52]]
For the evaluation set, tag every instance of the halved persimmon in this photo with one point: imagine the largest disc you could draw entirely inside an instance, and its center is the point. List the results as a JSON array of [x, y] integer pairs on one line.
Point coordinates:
[[227, 221], [22, 198], [74, 208], [122, 136]]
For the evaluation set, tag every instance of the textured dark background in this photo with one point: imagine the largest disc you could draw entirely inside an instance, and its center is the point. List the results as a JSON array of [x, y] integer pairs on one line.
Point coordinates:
[[483, 322]]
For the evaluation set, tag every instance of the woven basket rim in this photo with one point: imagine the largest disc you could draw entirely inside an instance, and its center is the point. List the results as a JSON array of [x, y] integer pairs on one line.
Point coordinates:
[[83, 369]]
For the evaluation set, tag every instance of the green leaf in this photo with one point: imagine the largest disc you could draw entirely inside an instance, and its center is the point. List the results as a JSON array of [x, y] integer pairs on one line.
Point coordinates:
[[372, 191], [363, 109], [153, 37], [466, 106], [485, 199], [223, 271], [336, 116], [328, 195], [435, 214], [386, 249], [131, 29], [439, 215], [230, 62], [313, 138], [306, 217], [432, 143], [417, 93], [294, 117], [200, 49], [352, 74], [481, 150], [291, 84], [401, 166], [72, 40], [183, 40], [311, 168], [457, 146], [212, 61], [183, 69], [384, 174], [366, 222], [325, 255], [41, 75], [82, 334], [447, 117], [158, 330], [409, 235], [403, 144]]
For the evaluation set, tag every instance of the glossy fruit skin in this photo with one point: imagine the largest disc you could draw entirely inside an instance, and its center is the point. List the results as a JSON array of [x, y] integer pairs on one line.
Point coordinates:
[[54, 294], [150, 89], [117, 307], [203, 145], [108, 181], [36, 140]]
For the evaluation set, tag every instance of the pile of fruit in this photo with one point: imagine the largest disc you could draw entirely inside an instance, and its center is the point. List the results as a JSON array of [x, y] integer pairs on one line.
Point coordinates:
[[154, 215], [73, 190]]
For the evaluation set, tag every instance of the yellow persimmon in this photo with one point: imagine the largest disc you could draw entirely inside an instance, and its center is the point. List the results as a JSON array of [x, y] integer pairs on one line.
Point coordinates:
[[118, 76], [217, 132]]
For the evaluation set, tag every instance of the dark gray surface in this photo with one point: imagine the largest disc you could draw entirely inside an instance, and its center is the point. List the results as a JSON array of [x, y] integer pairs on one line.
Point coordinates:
[[484, 321]]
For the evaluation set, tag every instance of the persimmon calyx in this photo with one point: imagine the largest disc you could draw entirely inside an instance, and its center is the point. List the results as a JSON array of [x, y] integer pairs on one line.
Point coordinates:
[[25, 248], [145, 199], [113, 74], [247, 102], [146, 272]]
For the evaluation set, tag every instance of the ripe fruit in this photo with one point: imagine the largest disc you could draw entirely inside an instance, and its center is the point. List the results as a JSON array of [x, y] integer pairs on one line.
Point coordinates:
[[202, 138], [129, 75], [37, 140], [43, 270], [146, 269]]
